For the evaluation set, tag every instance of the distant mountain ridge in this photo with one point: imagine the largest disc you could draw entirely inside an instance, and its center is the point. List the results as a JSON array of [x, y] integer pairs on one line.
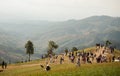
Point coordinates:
[[79, 33]]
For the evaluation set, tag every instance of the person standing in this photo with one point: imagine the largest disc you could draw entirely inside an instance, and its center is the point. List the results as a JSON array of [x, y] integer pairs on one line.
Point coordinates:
[[78, 61], [61, 60], [3, 64]]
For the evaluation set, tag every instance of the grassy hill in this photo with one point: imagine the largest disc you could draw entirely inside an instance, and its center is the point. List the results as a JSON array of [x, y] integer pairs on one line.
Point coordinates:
[[103, 69], [66, 69]]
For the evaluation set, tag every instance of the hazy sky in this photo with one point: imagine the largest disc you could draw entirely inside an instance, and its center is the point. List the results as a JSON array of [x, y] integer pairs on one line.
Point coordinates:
[[57, 10]]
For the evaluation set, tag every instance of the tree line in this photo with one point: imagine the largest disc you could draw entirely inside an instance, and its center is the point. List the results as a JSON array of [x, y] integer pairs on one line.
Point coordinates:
[[51, 46]]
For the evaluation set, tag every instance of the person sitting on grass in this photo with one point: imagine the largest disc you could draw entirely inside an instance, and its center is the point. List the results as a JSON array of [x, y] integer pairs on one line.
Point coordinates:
[[47, 67]]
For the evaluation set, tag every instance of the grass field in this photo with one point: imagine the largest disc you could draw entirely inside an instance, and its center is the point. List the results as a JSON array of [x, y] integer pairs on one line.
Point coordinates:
[[66, 69]]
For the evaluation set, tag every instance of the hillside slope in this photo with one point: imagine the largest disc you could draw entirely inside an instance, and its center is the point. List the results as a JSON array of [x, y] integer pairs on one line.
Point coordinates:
[[80, 33], [65, 69]]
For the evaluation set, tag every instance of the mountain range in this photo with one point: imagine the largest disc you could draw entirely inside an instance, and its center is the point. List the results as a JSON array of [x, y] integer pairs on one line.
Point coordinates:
[[67, 34]]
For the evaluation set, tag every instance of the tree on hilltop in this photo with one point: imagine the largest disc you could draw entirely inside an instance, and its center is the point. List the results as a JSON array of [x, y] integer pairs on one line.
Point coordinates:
[[51, 46], [107, 43], [66, 51], [29, 48], [74, 49]]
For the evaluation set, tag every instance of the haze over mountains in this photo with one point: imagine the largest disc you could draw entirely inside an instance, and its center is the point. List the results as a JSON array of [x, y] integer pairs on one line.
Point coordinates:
[[67, 34]]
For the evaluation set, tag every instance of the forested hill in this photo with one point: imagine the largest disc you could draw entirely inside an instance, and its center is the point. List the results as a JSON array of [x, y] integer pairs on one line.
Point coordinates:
[[79, 33]]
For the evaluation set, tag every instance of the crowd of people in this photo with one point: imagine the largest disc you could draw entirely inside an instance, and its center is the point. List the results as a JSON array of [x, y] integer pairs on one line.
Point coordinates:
[[80, 57], [85, 57]]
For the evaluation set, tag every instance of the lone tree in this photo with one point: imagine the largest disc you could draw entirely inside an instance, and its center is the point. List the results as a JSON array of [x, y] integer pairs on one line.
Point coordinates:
[[29, 48], [107, 43], [51, 46], [74, 49], [66, 51]]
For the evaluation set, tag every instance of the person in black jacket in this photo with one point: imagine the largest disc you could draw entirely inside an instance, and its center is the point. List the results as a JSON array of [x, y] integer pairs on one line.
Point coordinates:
[[4, 65]]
